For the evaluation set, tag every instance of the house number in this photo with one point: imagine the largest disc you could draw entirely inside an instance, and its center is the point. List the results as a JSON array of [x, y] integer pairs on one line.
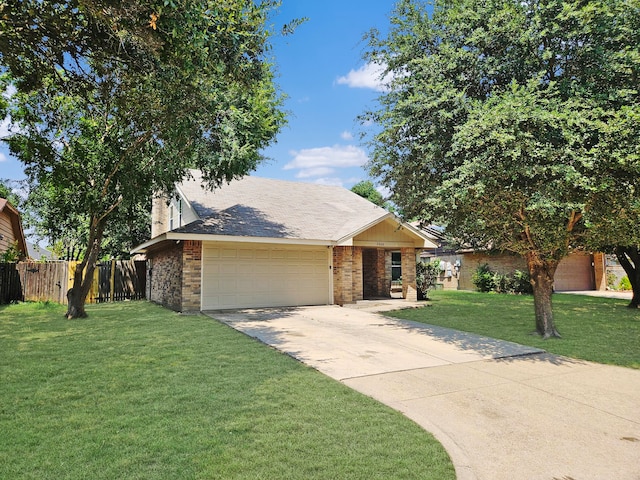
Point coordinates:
[[380, 244]]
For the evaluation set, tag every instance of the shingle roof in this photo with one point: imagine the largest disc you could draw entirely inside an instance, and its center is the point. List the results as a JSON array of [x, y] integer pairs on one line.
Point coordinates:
[[260, 207]]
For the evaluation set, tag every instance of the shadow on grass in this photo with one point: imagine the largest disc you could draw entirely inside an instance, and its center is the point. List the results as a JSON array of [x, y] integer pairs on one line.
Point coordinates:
[[485, 346]]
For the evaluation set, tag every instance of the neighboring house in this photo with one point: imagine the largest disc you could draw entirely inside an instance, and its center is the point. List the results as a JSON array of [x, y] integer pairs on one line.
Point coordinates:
[[258, 242], [11, 228], [38, 253], [578, 271]]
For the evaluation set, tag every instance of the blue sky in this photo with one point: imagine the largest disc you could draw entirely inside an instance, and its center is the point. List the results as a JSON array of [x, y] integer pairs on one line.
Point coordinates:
[[321, 70]]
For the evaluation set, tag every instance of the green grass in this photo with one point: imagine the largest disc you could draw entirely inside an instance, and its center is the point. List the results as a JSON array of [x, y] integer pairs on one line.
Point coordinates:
[[138, 392], [597, 329]]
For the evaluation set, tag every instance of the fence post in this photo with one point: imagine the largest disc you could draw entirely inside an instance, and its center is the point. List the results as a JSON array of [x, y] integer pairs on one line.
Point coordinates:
[[112, 280]]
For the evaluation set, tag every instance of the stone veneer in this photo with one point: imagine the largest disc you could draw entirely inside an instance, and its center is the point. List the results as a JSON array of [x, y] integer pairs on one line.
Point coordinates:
[[175, 277], [165, 277]]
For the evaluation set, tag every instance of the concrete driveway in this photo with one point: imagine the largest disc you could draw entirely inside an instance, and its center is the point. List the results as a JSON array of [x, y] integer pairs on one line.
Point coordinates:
[[502, 411]]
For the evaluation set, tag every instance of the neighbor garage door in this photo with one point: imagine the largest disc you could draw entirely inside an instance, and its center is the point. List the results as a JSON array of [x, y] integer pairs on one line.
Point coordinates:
[[257, 275], [574, 273]]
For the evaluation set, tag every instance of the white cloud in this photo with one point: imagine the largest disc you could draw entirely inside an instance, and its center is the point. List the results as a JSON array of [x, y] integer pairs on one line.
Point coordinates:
[[321, 161], [367, 76], [346, 135], [3, 157]]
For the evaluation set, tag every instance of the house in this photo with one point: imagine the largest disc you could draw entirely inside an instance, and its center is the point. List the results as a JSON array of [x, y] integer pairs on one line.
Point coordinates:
[[11, 231], [580, 270], [259, 242]]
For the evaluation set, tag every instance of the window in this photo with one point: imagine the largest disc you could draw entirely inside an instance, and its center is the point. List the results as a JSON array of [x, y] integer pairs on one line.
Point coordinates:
[[396, 265], [175, 214]]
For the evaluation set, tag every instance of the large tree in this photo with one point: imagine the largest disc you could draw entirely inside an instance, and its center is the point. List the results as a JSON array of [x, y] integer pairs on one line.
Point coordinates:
[[366, 189], [495, 121], [116, 100]]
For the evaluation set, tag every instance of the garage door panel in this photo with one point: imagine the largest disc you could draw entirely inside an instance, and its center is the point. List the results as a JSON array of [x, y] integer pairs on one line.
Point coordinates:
[[257, 276]]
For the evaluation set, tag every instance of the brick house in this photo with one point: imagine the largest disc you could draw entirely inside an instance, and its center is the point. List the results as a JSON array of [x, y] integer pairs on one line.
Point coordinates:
[[578, 271], [11, 228], [259, 242]]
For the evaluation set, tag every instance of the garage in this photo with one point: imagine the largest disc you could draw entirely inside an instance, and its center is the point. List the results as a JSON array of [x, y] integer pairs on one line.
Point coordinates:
[[575, 272], [237, 275]]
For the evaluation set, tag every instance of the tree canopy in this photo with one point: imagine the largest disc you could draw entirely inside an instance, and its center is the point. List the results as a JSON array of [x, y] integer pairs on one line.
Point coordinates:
[[501, 122], [366, 189], [116, 101]]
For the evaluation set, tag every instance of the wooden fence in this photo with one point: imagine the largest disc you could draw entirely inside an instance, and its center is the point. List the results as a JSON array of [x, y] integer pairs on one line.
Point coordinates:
[[49, 281]]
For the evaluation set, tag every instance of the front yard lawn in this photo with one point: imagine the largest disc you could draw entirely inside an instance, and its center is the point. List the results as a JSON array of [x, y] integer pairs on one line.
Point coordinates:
[[596, 329], [138, 392]]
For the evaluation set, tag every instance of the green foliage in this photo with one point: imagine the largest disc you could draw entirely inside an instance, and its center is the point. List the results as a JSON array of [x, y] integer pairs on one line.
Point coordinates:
[[11, 254], [624, 283], [486, 280], [367, 190], [427, 276], [500, 120], [483, 278], [116, 102], [513, 124], [611, 280], [7, 192]]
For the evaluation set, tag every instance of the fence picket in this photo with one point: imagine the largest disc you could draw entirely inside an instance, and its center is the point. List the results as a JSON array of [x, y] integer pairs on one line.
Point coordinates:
[[49, 281]]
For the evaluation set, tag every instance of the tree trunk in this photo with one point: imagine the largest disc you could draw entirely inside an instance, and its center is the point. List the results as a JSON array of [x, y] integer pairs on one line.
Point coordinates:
[[83, 276], [629, 259], [542, 272]]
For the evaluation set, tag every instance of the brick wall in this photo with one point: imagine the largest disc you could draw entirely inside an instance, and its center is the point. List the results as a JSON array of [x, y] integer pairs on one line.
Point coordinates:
[[342, 275], [370, 272], [409, 290], [376, 278], [165, 279], [347, 275], [191, 275], [357, 288], [502, 263]]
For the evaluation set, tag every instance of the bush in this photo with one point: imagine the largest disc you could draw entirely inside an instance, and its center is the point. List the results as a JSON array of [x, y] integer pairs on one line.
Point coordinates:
[[427, 276], [624, 284], [486, 280], [522, 282]]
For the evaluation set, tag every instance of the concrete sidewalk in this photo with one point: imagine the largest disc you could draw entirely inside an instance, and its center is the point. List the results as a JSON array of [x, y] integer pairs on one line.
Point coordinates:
[[502, 411]]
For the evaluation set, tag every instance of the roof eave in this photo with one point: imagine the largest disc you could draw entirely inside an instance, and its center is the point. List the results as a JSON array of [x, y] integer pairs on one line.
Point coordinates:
[[207, 237]]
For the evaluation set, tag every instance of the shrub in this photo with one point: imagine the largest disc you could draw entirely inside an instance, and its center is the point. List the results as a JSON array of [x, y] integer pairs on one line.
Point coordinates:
[[483, 278], [427, 276], [624, 284], [611, 280], [522, 282], [486, 280]]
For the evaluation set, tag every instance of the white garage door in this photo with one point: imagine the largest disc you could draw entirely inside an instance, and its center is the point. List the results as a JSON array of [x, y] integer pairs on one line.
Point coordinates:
[[258, 275], [574, 272]]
